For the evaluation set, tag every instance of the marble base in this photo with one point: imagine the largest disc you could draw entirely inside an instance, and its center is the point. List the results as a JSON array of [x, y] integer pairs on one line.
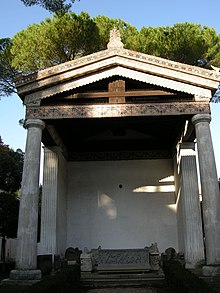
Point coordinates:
[[86, 262], [190, 266], [25, 275], [211, 271]]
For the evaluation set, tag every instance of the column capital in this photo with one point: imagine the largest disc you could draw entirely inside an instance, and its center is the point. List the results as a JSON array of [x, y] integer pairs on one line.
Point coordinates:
[[188, 145], [187, 149], [34, 123], [201, 118], [55, 149]]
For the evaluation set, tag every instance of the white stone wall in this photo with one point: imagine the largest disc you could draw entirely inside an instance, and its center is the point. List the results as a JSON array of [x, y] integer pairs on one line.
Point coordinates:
[[121, 204]]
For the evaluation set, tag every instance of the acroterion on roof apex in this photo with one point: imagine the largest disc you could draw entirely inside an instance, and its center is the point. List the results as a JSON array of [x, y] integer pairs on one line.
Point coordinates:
[[115, 40]]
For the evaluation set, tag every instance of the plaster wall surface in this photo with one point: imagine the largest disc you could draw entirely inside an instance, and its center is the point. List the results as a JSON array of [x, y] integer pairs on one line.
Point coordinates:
[[121, 204]]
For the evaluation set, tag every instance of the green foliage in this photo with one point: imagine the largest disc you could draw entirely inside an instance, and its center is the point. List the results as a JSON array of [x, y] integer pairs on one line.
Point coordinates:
[[152, 41], [183, 42], [11, 165], [53, 41], [67, 36], [7, 72], [9, 206], [54, 6], [188, 42]]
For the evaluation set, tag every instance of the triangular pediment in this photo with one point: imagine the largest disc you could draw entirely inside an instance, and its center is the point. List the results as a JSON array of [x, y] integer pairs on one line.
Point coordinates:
[[123, 63]]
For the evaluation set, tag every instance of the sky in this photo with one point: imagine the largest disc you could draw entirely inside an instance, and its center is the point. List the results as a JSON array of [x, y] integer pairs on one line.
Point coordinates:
[[14, 17]]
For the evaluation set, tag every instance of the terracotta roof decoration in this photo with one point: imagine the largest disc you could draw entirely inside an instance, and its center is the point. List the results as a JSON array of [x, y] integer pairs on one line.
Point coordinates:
[[115, 40]]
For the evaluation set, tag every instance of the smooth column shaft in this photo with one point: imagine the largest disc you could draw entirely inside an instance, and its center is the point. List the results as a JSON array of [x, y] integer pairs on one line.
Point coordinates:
[[209, 188], [26, 258]]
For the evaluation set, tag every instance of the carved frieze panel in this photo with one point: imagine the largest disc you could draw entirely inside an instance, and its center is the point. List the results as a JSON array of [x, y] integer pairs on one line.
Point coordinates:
[[120, 155], [120, 110]]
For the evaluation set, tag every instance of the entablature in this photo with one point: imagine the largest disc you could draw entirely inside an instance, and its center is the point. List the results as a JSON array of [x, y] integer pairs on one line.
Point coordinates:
[[120, 110]]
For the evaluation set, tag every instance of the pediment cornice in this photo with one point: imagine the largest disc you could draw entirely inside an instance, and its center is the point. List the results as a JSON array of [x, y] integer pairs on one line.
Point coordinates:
[[130, 64], [122, 72]]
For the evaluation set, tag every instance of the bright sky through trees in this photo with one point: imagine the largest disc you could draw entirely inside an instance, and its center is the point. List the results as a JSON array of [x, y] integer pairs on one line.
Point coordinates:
[[14, 16]]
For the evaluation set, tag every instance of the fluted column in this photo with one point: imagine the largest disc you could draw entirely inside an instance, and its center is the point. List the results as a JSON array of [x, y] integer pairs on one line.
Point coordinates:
[[49, 203], [26, 255], [209, 188], [190, 206]]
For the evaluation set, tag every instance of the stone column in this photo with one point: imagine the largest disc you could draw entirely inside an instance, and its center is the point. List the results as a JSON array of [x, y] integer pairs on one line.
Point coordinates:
[[190, 206], [26, 254], [209, 188], [49, 203]]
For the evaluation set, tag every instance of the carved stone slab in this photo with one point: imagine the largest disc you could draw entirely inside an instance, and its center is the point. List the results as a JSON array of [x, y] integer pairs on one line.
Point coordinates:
[[86, 262], [121, 259]]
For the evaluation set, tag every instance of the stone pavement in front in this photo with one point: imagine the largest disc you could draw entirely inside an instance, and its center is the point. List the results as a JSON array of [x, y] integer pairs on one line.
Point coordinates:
[[123, 290]]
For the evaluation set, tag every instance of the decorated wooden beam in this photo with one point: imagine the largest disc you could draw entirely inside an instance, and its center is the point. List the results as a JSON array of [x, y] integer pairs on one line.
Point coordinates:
[[117, 110]]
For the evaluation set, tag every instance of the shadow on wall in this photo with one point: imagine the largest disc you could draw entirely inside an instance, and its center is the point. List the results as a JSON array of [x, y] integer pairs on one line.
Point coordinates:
[[108, 204]]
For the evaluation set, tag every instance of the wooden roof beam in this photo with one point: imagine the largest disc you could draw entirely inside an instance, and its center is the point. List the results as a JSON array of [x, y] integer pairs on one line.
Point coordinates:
[[107, 94]]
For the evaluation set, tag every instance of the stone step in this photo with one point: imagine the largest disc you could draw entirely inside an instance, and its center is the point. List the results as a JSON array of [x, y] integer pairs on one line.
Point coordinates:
[[119, 280], [214, 282], [124, 290], [120, 283], [121, 275]]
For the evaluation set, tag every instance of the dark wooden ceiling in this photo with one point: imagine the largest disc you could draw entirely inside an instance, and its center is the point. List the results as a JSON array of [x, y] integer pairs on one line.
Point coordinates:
[[117, 134]]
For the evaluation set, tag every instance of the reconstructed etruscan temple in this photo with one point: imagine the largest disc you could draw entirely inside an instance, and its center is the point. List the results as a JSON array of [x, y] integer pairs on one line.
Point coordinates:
[[119, 129]]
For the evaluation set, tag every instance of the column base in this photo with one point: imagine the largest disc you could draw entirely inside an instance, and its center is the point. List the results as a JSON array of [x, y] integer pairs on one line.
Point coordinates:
[[190, 266], [211, 271], [25, 275]]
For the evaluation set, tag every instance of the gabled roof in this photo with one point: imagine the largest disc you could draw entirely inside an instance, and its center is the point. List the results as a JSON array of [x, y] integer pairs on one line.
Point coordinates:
[[117, 61]]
